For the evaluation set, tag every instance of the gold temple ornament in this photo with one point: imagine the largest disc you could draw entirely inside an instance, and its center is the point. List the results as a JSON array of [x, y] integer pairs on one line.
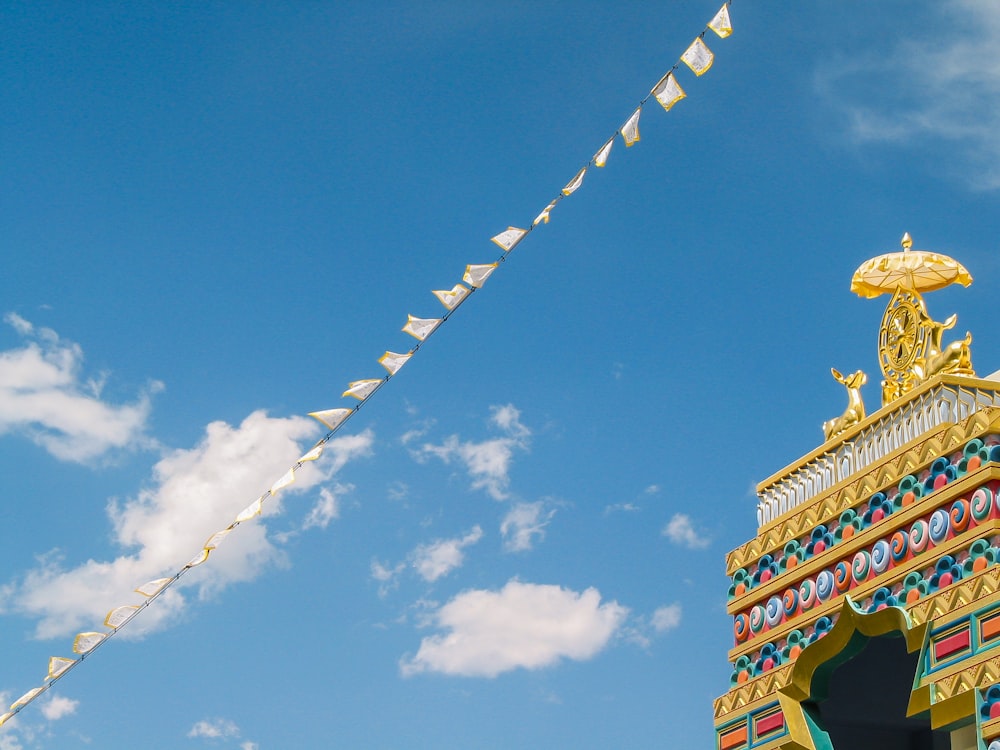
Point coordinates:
[[910, 340]]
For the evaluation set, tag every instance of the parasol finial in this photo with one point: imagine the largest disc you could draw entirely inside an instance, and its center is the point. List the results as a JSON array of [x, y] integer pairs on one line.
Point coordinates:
[[907, 241]]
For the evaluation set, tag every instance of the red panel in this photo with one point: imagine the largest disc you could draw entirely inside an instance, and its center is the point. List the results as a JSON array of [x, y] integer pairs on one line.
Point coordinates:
[[951, 645], [769, 723]]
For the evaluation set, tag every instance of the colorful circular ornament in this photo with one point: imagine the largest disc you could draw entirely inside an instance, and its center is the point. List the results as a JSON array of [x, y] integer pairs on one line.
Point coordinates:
[[861, 567], [842, 576], [824, 585], [881, 556], [938, 526], [899, 545]]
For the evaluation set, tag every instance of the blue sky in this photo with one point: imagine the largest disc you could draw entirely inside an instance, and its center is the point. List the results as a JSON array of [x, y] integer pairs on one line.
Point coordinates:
[[215, 216]]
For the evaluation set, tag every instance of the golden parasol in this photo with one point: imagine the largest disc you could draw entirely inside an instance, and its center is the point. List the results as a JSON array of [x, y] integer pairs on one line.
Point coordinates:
[[915, 270]]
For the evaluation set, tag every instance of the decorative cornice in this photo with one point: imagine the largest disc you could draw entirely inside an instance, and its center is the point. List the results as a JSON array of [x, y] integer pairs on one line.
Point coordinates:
[[882, 475]]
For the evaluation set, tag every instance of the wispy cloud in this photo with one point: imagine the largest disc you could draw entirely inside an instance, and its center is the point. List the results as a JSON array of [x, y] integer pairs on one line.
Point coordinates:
[[680, 530], [523, 625], [525, 524], [438, 558], [488, 462], [641, 630], [214, 729], [666, 618], [193, 493], [45, 397], [944, 85], [57, 707], [327, 507]]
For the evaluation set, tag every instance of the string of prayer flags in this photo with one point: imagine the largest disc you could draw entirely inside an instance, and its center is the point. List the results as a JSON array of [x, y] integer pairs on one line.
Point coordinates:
[[392, 361], [721, 24], [668, 92], [630, 130], [451, 298], [698, 57], [476, 275], [420, 328], [362, 389], [509, 238]]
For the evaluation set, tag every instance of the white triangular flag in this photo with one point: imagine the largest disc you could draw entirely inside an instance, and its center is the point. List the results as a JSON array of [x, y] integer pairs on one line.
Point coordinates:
[[392, 361], [509, 238], [216, 539], [332, 418], [26, 698], [630, 130], [544, 215], [668, 92], [251, 511], [476, 275], [312, 454], [287, 479], [420, 328], [698, 57], [119, 616], [84, 642], [58, 665], [198, 559], [362, 389], [152, 588], [601, 157], [573, 185], [451, 297], [721, 24]]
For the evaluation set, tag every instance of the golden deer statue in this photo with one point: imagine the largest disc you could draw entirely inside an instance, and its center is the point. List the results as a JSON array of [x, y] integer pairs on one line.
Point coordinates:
[[954, 358], [855, 411]]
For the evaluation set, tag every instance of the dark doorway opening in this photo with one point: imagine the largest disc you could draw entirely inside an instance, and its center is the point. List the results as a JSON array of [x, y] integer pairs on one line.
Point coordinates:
[[865, 702]]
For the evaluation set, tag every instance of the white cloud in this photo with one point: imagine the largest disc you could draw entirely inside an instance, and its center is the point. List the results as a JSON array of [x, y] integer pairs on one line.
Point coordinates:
[[523, 525], [9, 740], [680, 530], [44, 397], [214, 729], [193, 493], [439, 558], [642, 630], [488, 462], [58, 706], [944, 85], [249, 745], [386, 576], [327, 508], [621, 507], [524, 625], [666, 618]]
